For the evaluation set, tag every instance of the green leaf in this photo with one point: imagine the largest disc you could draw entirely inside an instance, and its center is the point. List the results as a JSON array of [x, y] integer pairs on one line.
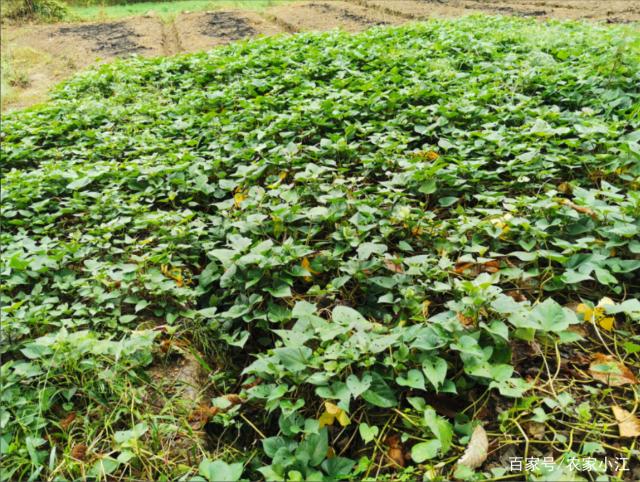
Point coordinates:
[[428, 187], [32, 444], [349, 317], [629, 306], [18, 262], [380, 394], [293, 359], [368, 433], [314, 448], [36, 350], [365, 250], [505, 304], [435, 369], [425, 451], [303, 309], [218, 470], [337, 467], [551, 317], [440, 428], [357, 386], [79, 183], [573, 277], [281, 291], [414, 379], [224, 255], [103, 467], [271, 445], [447, 201]]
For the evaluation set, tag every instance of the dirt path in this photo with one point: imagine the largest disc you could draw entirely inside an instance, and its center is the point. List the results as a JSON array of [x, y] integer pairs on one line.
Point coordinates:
[[171, 42], [42, 55]]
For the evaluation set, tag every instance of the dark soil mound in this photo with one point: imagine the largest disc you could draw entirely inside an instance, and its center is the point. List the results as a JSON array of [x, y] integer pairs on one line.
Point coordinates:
[[227, 25], [114, 38]]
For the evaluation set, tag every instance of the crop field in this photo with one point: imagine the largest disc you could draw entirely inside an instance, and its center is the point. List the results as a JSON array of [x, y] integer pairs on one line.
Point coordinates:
[[400, 251], [38, 56]]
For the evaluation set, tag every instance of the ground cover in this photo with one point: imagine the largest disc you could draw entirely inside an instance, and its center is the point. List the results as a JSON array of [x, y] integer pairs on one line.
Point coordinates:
[[410, 252]]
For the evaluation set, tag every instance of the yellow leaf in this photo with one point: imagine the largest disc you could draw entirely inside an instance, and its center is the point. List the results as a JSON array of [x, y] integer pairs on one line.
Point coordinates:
[[501, 223], [278, 226], [306, 265], [238, 198], [628, 424], [597, 314], [565, 188], [585, 311], [281, 177], [332, 413], [343, 418], [332, 408], [605, 322], [425, 308], [326, 419]]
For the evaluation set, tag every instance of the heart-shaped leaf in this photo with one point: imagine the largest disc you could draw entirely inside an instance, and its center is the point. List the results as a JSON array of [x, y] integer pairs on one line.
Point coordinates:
[[357, 386], [368, 433]]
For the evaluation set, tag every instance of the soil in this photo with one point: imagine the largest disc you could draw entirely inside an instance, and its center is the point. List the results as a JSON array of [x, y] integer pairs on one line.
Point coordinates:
[[346, 14], [115, 38], [329, 15], [179, 385], [141, 35], [227, 25], [43, 55], [179, 377], [204, 30], [610, 11]]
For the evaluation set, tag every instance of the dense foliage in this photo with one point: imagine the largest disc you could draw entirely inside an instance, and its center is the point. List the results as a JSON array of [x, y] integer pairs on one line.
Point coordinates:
[[354, 234]]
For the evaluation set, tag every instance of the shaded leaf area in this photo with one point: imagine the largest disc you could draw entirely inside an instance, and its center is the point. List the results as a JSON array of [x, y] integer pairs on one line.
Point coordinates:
[[374, 241]]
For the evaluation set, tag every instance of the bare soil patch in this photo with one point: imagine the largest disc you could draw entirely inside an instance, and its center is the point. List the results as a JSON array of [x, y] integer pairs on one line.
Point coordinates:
[[227, 25], [202, 31], [179, 387], [141, 35], [610, 11], [328, 15], [44, 55], [115, 38], [346, 14]]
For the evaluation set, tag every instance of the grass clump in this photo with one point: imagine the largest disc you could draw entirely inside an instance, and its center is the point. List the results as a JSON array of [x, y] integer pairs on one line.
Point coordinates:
[[40, 10], [372, 244]]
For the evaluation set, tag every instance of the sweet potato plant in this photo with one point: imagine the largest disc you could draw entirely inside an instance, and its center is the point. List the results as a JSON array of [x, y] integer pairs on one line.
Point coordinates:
[[373, 245]]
